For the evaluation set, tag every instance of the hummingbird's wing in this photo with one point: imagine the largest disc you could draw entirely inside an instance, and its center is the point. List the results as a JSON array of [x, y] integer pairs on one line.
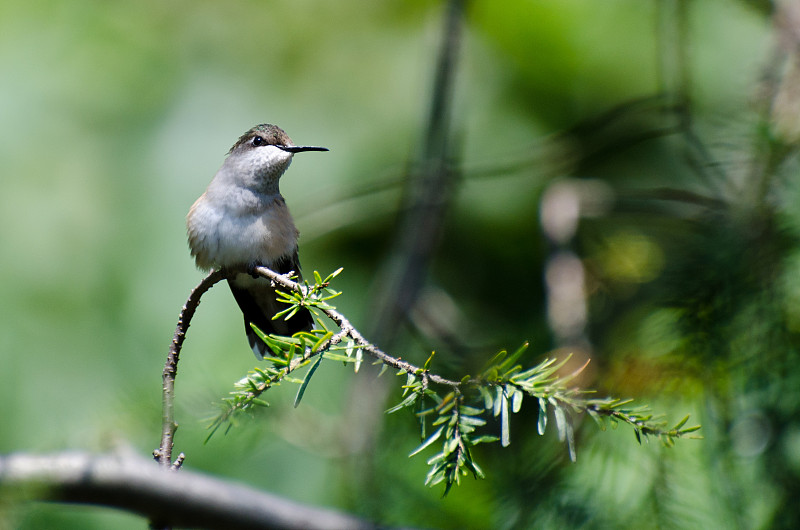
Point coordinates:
[[257, 300]]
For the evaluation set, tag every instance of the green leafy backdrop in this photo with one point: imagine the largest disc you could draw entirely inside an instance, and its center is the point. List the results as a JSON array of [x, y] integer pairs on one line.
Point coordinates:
[[114, 117]]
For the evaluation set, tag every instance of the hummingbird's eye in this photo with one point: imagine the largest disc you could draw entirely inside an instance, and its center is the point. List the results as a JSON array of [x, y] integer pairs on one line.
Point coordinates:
[[258, 141]]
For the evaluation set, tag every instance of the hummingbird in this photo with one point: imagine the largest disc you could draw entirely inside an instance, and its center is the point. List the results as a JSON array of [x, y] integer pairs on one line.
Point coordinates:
[[242, 222]]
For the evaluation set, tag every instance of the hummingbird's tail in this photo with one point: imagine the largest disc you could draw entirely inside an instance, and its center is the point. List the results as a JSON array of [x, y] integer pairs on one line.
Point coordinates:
[[256, 299]]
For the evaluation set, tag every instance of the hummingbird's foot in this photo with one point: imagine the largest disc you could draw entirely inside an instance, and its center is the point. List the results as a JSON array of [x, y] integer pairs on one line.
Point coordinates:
[[251, 269]]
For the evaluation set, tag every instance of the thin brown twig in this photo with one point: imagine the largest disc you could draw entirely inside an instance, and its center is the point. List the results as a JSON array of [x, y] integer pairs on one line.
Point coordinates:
[[168, 425]]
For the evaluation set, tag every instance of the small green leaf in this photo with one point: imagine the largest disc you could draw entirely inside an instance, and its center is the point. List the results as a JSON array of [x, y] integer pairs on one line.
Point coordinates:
[[446, 405], [472, 420], [488, 401], [321, 341], [410, 379], [423, 424], [448, 400], [336, 357], [509, 362], [427, 364], [498, 401], [333, 275], [570, 438], [277, 361], [359, 359], [597, 419], [409, 400], [497, 359], [432, 438], [681, 423], [469, 411], [516, 401], [478, 472], [561, 423], [450, 445], [273, 345], [425, 411], [440, 420], [292, 311], [486, 438], [290, 354], [302, 389], [505, 434]]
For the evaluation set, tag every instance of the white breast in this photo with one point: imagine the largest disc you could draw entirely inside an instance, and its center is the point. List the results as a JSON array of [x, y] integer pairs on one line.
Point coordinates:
[[257, 229]]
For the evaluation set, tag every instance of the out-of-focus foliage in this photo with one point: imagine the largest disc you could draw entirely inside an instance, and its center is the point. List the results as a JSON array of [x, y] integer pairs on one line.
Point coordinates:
[[667, 128]]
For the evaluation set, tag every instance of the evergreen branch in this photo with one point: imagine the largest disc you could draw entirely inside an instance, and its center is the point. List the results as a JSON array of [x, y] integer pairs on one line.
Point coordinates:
[[455, 410], [308, 296]]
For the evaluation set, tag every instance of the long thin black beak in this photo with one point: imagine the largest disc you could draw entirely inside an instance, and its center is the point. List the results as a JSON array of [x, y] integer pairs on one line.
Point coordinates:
[[300, 148]]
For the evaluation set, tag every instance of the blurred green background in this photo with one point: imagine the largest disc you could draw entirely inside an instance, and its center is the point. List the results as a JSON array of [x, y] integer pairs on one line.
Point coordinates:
[[671, 123]]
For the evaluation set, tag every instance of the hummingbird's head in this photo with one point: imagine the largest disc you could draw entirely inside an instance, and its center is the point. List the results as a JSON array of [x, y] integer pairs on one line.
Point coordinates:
[[263, 153]]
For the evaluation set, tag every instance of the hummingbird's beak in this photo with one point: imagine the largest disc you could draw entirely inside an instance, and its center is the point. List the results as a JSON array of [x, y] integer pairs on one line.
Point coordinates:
[[300, 148]]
